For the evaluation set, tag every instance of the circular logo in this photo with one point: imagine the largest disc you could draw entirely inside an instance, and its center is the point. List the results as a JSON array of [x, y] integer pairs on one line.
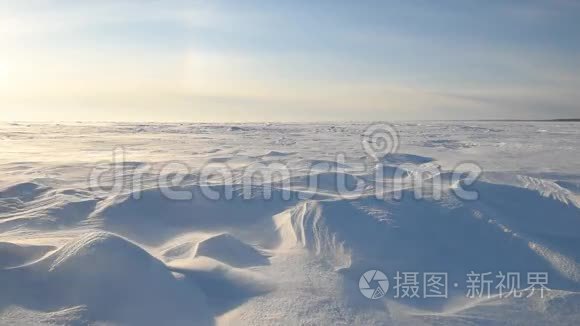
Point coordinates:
[[379, 140], [373, 284]]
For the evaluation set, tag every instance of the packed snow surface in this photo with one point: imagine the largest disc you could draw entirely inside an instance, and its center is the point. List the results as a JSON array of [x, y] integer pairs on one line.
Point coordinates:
[[121, 224]]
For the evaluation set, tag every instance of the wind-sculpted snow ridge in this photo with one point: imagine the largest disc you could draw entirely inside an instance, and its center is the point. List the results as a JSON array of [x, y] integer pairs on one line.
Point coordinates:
[[222, 247], [154, 218], [457, 236], [226, 248], [13, 255], [24, 191], [36, 206], [549, 188], [114, 278]]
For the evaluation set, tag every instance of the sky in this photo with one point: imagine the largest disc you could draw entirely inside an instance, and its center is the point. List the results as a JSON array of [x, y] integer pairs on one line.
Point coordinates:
[[299, 60]]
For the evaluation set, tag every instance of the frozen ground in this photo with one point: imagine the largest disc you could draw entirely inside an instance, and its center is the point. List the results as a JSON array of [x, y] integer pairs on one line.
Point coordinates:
[[71, 254]]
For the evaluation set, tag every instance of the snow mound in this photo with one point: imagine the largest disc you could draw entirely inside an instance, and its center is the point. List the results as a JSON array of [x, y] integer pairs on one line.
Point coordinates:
[[101, 249], [116, 279], [25, 191], [224, 286], [232, 251], [154, 218], [491, 234], [51, 213], [69, 212], [181, 250], [12, 254]]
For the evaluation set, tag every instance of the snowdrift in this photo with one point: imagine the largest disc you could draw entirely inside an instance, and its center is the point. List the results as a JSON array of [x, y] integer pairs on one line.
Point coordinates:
[[154, 218], [13, 255], [490, 234], [114, 278], [232, 251], [283, 252]]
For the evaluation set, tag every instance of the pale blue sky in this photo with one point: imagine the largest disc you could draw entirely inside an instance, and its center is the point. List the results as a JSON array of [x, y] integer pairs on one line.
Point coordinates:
[[288, 60]]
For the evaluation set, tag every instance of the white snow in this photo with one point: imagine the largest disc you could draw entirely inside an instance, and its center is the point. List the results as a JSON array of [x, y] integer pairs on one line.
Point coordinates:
[[71, 254]]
